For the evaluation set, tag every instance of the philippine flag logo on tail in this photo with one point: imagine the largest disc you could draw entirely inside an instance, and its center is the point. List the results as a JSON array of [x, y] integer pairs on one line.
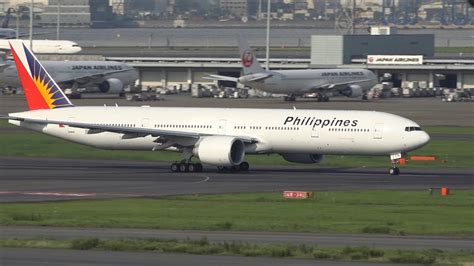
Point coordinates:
[[41, 91]]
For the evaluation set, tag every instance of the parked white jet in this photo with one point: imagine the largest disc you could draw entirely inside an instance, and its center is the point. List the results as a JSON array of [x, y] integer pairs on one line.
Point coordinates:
[[80, 76], [47, 46], [348, 82], [217, 136]]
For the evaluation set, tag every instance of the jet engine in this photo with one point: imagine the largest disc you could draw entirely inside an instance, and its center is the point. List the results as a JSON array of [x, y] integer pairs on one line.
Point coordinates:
[[220, 150], [111, 85], [303, 158], [387, 76], [352, 91]]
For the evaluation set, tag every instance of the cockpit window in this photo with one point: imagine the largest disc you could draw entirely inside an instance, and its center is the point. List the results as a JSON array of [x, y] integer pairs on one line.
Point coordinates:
[[413, 129]]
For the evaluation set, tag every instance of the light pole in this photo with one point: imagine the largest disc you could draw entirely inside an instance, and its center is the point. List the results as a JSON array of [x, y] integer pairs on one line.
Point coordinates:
[[18, 13], [31, 24], [58, 20], [267, 66]]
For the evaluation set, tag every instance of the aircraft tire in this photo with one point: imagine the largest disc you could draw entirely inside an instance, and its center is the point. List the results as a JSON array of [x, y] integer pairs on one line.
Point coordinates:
[[394, 171], [198, 167], [174, 167], [244, 166], [184, 167]]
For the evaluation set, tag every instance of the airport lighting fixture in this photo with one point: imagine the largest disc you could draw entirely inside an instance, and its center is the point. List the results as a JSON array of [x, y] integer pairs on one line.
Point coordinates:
[[31, 24], [267, 63], [58, 21]]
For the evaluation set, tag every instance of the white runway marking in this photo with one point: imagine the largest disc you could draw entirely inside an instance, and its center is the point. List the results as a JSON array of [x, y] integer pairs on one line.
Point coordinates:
[[68, 194], [203, 181], [56, 194]]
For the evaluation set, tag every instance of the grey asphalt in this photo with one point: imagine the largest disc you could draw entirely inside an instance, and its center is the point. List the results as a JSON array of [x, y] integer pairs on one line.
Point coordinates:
[[28, 256], [321, 240], [42, 179]]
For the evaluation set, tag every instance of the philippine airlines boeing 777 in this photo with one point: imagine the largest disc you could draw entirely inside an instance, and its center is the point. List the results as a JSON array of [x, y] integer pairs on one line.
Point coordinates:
[[348, 82], [217, 136]]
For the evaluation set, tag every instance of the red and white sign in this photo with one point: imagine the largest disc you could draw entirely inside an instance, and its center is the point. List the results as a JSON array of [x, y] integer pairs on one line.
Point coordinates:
[[297, 194], [394, 59]]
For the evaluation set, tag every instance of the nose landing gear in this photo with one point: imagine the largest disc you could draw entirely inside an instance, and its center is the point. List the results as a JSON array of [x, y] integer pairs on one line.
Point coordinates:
[[395, 158], [394, 170]]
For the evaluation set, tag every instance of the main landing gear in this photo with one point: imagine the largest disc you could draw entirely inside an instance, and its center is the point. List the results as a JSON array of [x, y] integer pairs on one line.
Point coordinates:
[[186, 167], [323, 97], [289, 98], [395, 158], [242, 167]]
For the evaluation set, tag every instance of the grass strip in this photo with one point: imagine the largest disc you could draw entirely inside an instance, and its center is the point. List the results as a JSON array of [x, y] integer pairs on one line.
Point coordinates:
[[459, 49], [451, 153], [360, 212], [204, 247], [449, 130]]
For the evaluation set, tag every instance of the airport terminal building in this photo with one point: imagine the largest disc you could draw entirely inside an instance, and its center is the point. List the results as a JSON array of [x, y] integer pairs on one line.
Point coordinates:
[[401, 60]]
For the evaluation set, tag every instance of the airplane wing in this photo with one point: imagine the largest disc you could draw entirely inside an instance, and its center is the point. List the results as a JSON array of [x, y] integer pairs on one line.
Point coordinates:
[[328, 86], [220, 77], [246, 78], [91, 78], [255, 77], [128, 132], [21, 35]]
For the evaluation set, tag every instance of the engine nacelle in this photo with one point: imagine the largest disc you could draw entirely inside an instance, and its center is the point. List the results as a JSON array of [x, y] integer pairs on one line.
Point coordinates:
[[303, 158], [220, 150], [111, 85], [387, 76], [352, 91]]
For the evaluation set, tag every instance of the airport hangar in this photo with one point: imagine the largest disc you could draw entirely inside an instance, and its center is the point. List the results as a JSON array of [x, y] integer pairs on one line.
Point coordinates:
[[338, 51]]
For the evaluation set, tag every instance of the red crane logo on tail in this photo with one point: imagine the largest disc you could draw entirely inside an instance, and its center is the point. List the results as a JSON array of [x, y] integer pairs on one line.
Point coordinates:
[[247, 58]]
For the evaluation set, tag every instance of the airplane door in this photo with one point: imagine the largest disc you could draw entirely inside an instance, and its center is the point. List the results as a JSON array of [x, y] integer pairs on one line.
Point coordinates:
[[378, 131], [70, 129], [145, 122], [315, 132], [222, 126]]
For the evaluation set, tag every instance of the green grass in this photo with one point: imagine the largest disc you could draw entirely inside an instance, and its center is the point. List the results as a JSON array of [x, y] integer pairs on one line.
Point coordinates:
[[204, 247], [391, 212], [4, 123], [449, 130], [458, 153], [466, 49]]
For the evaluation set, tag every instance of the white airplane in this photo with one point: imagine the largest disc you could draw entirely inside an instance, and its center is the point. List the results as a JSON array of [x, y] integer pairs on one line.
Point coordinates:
[[217, 136], [47, 46], [79, 76], [348, 82]]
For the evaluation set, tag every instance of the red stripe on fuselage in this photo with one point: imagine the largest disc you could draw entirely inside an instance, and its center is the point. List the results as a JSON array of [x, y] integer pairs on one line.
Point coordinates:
[[32, 94]]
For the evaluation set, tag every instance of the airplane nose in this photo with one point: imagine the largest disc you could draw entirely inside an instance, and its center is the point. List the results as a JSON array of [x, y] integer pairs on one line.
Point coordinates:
[[424, 138]]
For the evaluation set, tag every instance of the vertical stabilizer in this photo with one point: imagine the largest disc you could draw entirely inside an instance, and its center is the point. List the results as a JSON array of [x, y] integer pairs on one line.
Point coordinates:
[[41, 91], [249, 61], [6, 18]]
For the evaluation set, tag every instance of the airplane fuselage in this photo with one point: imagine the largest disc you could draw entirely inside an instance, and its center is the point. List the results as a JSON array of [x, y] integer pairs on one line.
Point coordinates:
[[63, 71], [277, 130], [299, 82], [48, 46]]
